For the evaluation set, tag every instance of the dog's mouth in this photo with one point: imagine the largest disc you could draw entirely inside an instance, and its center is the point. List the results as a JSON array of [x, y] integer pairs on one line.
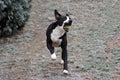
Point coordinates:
[[66, 28]]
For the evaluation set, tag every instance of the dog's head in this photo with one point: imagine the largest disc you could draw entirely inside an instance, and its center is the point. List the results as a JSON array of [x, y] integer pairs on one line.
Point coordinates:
[[64, 21]]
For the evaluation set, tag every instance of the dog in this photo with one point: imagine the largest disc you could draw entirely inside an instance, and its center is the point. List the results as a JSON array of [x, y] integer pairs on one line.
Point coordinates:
[[57, 37]]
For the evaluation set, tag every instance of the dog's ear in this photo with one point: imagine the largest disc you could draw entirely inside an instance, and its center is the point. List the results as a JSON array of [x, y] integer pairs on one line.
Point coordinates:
[[67, 14], [57, 15]]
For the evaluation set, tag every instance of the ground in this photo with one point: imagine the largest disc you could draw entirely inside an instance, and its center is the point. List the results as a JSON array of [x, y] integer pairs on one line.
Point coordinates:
[[93, 43]]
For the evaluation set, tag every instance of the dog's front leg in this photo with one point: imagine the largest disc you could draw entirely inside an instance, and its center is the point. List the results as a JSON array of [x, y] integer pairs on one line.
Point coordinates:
[[64, 55], [51, 49]]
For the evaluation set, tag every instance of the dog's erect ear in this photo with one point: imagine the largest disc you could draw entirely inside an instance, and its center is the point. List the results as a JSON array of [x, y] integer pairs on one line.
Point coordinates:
[[67, 14], [57, 15]]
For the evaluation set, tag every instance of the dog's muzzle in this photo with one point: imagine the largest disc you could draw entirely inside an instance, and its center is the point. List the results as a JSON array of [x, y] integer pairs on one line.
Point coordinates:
[[68, 26]]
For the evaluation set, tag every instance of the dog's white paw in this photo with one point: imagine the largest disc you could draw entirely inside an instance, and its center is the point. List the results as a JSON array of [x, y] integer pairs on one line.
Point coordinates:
[[53, 56], [65, 71], [62, 62]]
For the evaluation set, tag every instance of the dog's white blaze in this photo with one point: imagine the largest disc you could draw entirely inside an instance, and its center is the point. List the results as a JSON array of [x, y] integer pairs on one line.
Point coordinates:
[[57, 33], [67, 20]]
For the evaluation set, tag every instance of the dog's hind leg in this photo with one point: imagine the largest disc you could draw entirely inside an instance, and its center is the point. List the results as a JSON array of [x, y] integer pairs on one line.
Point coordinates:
[[51, 49]]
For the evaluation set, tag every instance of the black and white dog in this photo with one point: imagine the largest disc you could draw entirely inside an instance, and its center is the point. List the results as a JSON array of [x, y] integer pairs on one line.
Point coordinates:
[[57, 37]]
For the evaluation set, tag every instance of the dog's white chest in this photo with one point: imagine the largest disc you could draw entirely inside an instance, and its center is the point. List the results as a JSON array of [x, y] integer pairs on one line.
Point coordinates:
[[56, 34]]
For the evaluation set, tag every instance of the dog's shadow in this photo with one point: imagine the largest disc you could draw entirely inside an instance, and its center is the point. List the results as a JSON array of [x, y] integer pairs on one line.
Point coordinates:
[[53, 69]]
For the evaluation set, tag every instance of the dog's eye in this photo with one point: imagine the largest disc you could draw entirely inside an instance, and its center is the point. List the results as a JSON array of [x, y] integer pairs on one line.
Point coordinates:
[[60, 22]]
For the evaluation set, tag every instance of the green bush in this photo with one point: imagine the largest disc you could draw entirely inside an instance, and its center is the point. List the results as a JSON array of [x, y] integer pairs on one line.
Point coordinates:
[[13, 15]]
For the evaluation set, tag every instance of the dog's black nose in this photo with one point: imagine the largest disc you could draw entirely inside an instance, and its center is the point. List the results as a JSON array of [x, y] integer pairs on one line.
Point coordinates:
[[70, 22]]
